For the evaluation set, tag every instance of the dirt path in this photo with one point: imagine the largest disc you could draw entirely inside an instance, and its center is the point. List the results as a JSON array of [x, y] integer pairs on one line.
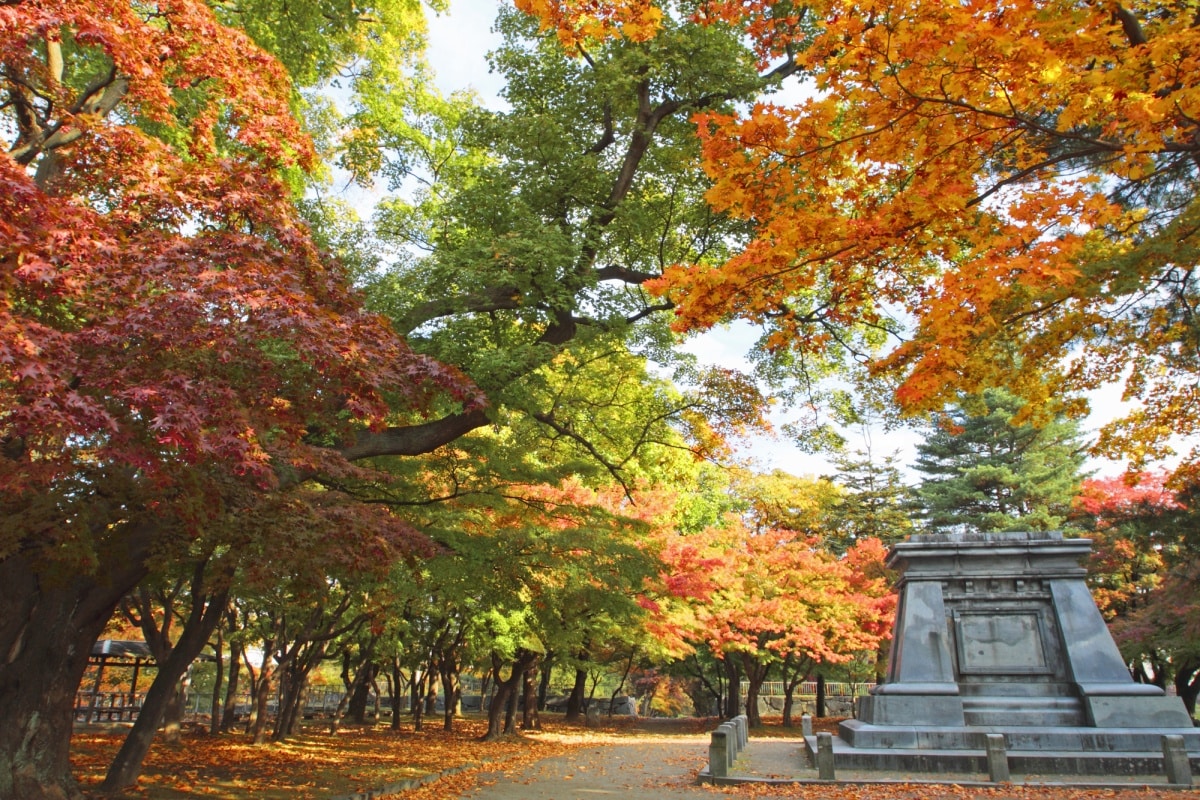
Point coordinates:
[[638, 768]]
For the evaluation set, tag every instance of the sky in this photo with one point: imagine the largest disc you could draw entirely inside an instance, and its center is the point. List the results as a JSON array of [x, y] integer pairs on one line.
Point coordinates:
[[458, 43]]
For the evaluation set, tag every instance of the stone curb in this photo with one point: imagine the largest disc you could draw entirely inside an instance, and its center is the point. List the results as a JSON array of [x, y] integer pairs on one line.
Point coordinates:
[[390, 789], [704, 777]]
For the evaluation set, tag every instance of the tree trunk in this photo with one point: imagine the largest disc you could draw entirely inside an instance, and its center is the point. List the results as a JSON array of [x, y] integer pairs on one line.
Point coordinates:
[[359, 696], [165, 689], [262, 693], [171, 723], [733, 687], [756, 676], [365, 674], [1187, 683], [510, 708], [396, 692], [418, 698], [544, 684], [820, 709], [214, 714], [451, 688], [529, 713], [500, 720], [229, 712], [575, 701], [47, 629], [793, 674]]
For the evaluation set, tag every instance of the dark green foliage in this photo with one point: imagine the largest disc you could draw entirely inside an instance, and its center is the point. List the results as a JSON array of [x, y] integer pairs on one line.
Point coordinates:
[[982, 472]]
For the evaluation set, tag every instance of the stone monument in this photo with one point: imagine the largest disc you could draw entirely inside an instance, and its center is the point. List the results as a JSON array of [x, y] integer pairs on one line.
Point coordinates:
[[996, 633]]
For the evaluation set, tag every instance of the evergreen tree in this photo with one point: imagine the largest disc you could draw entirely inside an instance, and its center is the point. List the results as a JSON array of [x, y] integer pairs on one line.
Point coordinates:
[[875, 501], [983, 472]]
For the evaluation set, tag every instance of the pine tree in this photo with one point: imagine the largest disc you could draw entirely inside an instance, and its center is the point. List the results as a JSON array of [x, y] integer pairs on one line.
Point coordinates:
[[985, 473], [876, 500]]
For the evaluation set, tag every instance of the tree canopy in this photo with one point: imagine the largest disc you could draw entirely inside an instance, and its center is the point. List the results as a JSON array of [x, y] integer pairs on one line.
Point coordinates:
[[1019, 181]]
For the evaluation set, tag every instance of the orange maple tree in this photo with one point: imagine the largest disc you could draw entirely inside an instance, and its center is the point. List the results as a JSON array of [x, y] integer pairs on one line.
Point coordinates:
[[780, 597], [1017, 181]]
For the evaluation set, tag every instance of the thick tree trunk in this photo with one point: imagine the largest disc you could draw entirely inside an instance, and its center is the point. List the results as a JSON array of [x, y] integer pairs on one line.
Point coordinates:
[[820, 709], [575, 700], [358, 699], [510, 708], [1187, 683], [502, 712], [451, 688], [366, 673], [165, 689], [733, 687], [47, 628], [529, 712]]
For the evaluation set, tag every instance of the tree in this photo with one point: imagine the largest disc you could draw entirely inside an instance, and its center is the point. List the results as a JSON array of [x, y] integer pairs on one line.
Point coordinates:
[[984, 470], [874, 502], [173, 343], [1143, 574], [1039, 224], [782, 598]]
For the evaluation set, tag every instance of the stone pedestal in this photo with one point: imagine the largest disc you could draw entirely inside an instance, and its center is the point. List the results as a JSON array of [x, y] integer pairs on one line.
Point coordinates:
[[998, 634]]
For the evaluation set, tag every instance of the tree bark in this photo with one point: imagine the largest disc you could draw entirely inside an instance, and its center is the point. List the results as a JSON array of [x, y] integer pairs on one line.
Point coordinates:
[[214, 714], [451, 687], [202, 619], [793, 675], [397, 678], [499, 719], [756, 675], [229, 712], [529, 713], [1187, 683], [544, 684], [48, 623], [575, 701], [820, 709], [733, 688]]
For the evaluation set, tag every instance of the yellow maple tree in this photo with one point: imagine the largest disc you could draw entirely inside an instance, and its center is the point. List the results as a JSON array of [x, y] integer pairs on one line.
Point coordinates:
[[1004, 192]]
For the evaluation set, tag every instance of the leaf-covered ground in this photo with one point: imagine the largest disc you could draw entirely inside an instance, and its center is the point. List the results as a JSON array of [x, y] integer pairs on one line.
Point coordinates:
[[319, 766]]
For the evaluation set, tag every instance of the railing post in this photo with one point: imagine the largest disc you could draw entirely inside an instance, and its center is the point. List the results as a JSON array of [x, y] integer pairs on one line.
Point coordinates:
[[806, 728], [997, 758], [825, 756], [718, 753], [1175, 759]]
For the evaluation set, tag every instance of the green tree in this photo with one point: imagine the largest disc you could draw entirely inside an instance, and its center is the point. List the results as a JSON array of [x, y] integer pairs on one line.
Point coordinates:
[[986, 470], [875, 501]]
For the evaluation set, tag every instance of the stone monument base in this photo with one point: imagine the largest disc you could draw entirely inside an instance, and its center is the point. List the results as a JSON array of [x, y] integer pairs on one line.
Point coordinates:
[[1031, 750], [997, 644]]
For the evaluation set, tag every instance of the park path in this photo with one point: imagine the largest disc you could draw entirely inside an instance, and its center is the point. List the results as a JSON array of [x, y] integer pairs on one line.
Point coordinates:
[[637, 768]]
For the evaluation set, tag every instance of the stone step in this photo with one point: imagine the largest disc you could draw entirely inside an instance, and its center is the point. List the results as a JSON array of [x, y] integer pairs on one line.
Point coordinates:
[[1010, 689], [1024, 711], [858, 735], [1034, 718], [1022, 703]]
